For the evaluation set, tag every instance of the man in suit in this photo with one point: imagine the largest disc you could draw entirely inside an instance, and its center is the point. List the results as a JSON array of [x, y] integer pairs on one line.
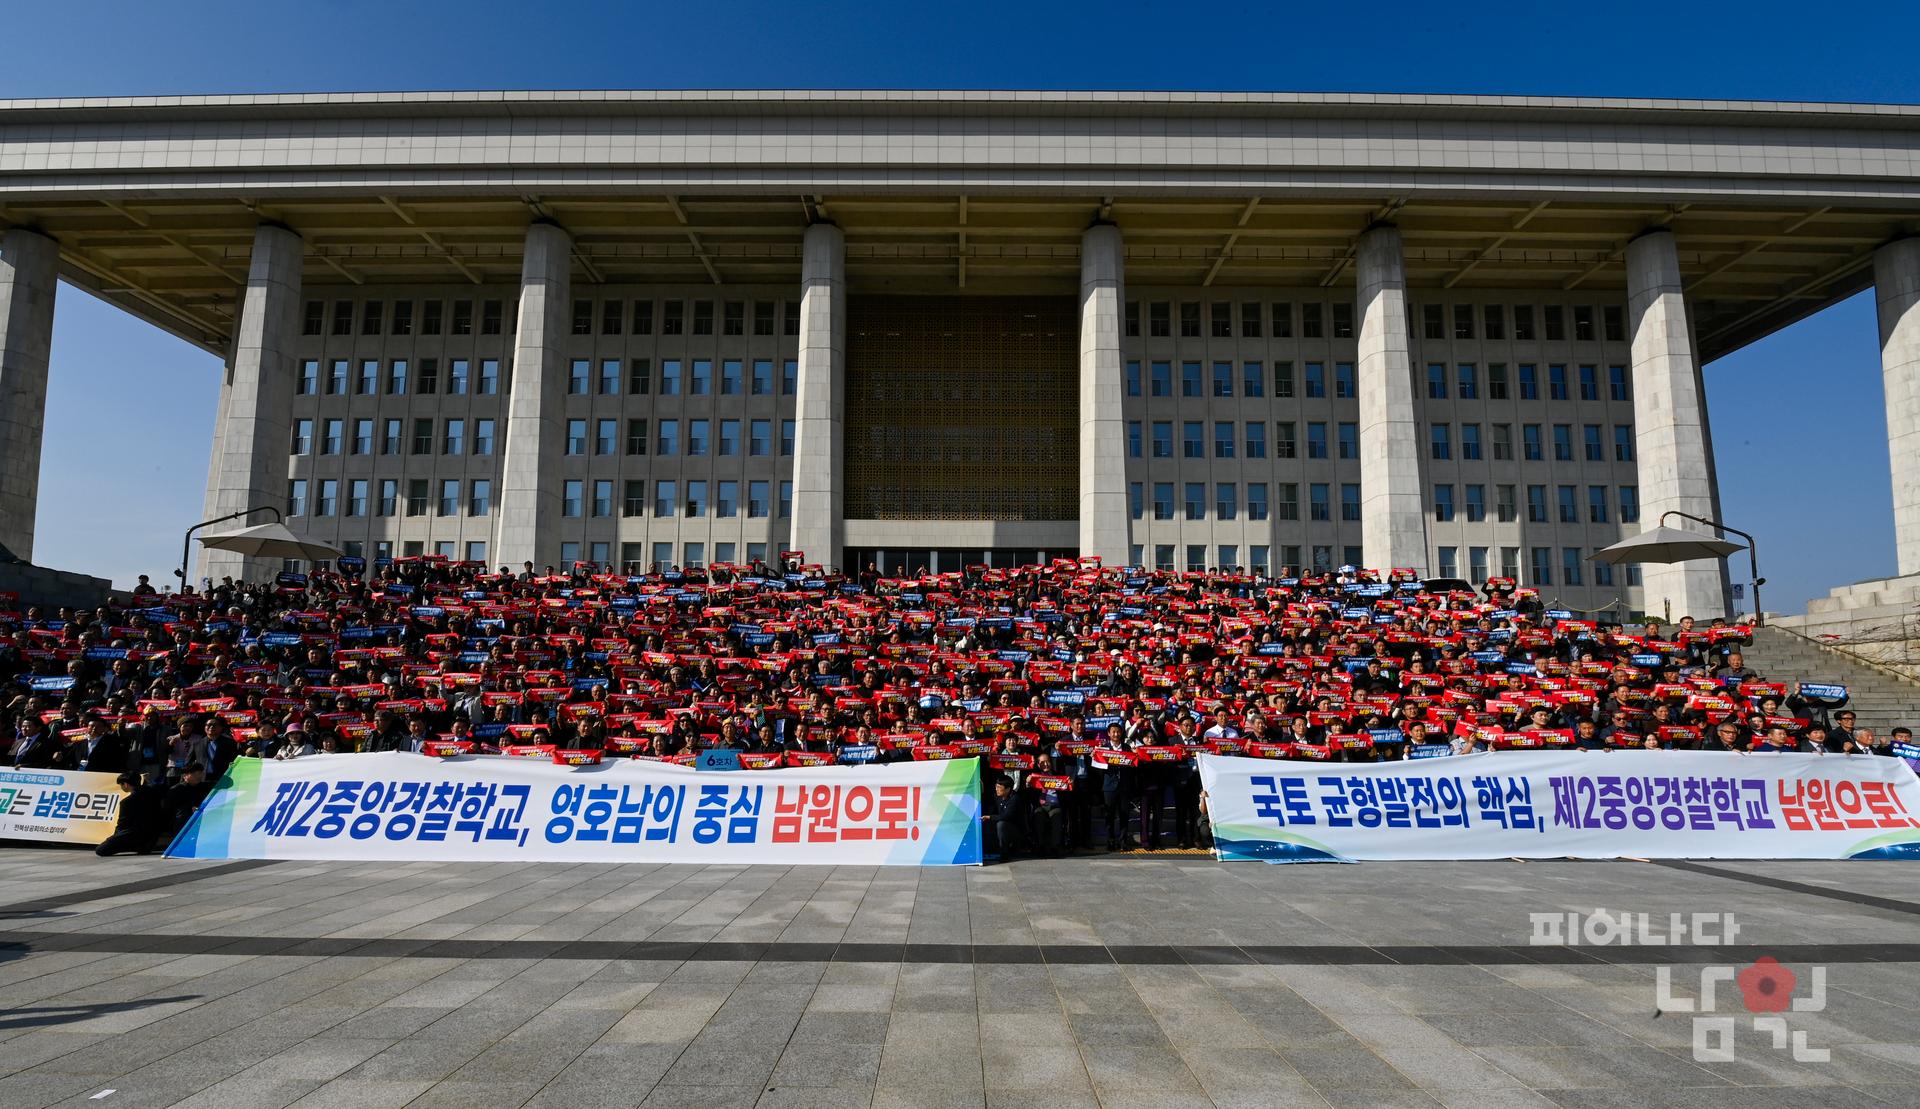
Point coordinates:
[[1005, 820], [105, 750], [142, 819]]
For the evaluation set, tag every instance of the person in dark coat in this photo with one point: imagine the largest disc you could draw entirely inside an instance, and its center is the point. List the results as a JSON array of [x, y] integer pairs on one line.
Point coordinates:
[[143, 817], [183, 799], [1005, 820], [104, 751]]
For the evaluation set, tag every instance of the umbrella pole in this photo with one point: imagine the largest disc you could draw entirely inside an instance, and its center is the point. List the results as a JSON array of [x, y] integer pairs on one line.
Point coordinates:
[[1753, 557], [186, 543]]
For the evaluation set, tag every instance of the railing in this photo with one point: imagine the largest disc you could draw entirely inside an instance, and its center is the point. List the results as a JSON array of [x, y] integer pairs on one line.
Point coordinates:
[[1908, 637]]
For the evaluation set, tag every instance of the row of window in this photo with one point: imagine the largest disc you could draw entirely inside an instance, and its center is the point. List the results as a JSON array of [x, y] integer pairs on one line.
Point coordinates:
[[612, 317], [397, 377], [1250, 379], [605, 439], [1479, 566], [1250, 440], [1315, 320], [1285, 504], [474, 497], [632, 555]]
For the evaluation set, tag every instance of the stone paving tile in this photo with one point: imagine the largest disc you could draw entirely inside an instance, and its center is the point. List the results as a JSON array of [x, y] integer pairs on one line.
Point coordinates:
[[1122, 982]]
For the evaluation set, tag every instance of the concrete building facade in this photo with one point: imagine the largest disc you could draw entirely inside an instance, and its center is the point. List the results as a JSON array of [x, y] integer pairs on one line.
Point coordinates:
[[1462, 336]]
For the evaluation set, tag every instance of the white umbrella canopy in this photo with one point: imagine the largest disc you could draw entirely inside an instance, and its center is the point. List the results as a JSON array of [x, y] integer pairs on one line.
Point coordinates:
[[271, 541], [1664, 544]]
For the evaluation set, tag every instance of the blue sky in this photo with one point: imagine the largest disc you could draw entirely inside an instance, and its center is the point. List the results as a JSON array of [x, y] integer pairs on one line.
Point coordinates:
[[1798, 425]]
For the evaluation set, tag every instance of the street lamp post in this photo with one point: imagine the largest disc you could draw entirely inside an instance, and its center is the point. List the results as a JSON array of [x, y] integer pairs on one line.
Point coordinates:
[[1753, 558], [186, 544]]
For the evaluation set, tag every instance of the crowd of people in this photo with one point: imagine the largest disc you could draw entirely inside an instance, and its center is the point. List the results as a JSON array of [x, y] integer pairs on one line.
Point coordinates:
[[1086, 689]]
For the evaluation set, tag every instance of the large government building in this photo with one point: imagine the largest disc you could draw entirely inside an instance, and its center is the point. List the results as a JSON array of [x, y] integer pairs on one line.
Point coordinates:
[[1460, 335]]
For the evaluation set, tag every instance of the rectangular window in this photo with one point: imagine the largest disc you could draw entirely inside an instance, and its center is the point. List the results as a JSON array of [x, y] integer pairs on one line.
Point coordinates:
[[1493, 322], [1163, 500], [1506, 508], [1563, 442], [726, 502], [1530, 442], [337, 377], [1223, 439], [762, 381], [1250, 320], [455, 439], [1556, 382], [363, 437], [1629, 504], [670, 377], [1162, 439], [786, 438], [302, 437], [731, 377], [479, 497], [606, 436], [1283, 440], [343, 317], [357, 497], [1442, 445], [389, 496], [1136, 500], [1582, 328], [1617, 383], [610, 377], [489, 377], [314, 318], [1623, 442], [397, 378], [668, 443], [572, 496], [1347, 439], [1256, 440], [1342, 319], [462, 318], [1556, 319], [1220, 319], [733, 318], [640, 377], [1602, 574], [483, 437], [1449, 558], [1570, 556], [1133, 378], [1536, 504], [760, 438], [1283, 379], [1469, 386], [309, 381], [576, 437], [703, 317], [1463, 321], [1226, 501], [1496, 381], [1260, 558], [1503, 442], [1470, 442], [428, 382], [1283, 319], [1590, 439], [1310, 325], [490, 317], [633, 499], [1229, 556], [576, 377], [457, 377], [1343, 384], [1350, 502], [1476, 503], [1529, 382], [422, 436], [729, 438], [1189, 379], [1443, 504], [1589, 383], [643, 317], [1542, 565], [1136, 439], [602, 498], [1191, 444], [1257, 500], [636, 437], [697, 438], [368, 383], [1131, 319], [757, 506], [1286, 501], [1318, 505], [1189, 319], [1162, 379], [1253, 379], [1596, 504], [1196, 500], [1316, 379], [1523, 324], [1159, 320], [1196, 557], [1616, 323], [329, 501], [1569, 513], [390, 437], [696, 498], [1433, 321], [666, 503], [430, 317], [1223, 379], [1477, 565], [700, 378], [1436, 381], [1316, 439]]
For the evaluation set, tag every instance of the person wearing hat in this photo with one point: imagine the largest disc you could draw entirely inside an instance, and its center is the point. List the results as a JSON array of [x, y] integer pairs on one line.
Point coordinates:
[[295, 744]]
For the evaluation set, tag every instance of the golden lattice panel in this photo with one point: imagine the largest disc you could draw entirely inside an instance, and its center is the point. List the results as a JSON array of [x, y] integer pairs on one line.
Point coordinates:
[[962, 408]]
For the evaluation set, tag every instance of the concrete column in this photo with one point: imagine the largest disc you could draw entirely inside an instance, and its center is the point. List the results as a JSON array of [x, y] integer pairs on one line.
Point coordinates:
[[819, 496], [1669, 420], [1393, 517], [528, 516], [249, 466], [1103, 432], [29, 268], [1896, 289]]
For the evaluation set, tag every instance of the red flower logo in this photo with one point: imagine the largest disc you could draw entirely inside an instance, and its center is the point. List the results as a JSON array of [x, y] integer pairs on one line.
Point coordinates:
[[1767, 985]]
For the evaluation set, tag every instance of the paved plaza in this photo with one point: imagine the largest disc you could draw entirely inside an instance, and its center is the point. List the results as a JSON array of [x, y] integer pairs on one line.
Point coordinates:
[[1162, 981]]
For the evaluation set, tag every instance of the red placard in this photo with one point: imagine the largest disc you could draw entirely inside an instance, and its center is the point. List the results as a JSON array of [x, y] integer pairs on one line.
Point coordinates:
[[1049, 781], [933, 751], [529, 750], [575, 757], [446, 748]]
